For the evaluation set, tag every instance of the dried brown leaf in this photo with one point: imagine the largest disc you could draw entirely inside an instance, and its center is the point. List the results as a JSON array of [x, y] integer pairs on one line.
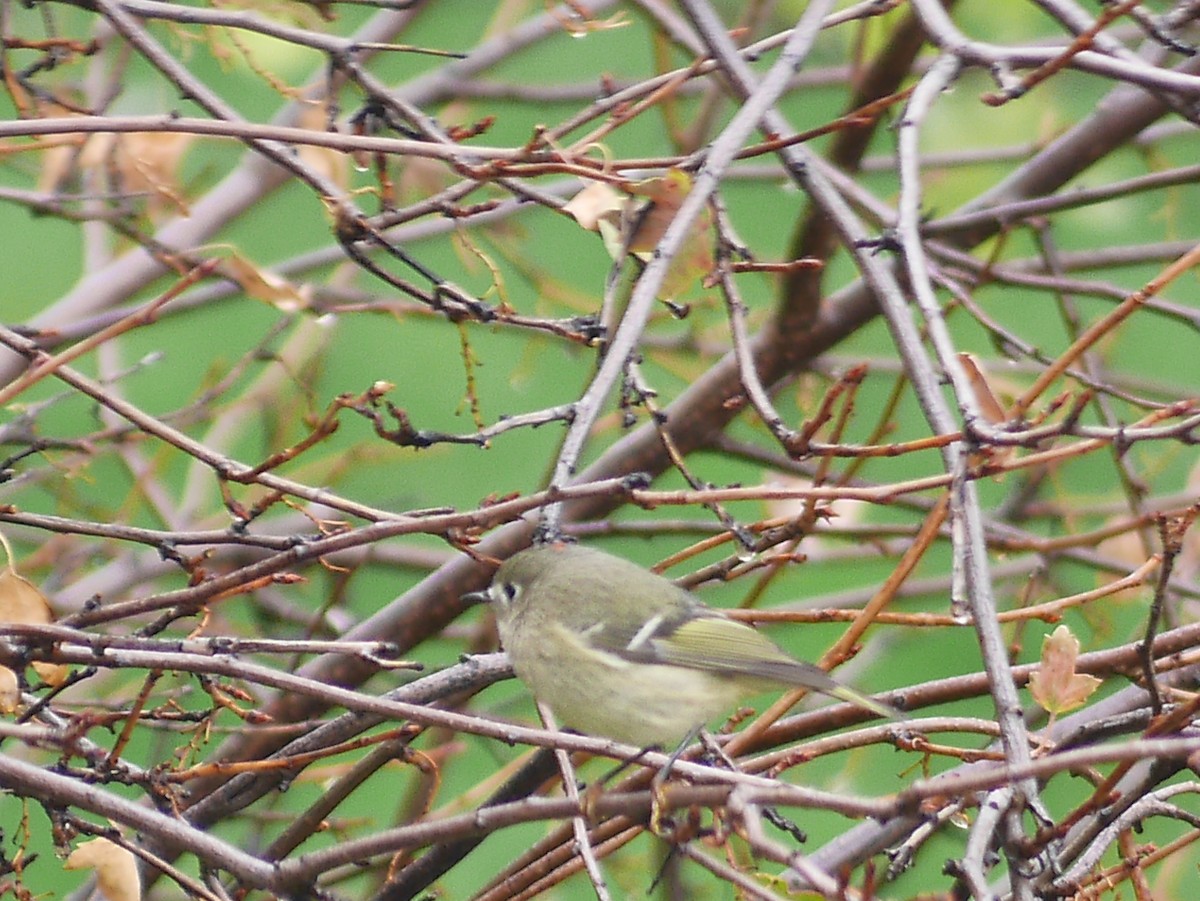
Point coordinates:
[[595, 203], [991, 408], [1055, 685]]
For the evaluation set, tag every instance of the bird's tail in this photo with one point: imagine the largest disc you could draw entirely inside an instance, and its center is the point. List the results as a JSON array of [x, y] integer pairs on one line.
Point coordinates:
[[842, 693]]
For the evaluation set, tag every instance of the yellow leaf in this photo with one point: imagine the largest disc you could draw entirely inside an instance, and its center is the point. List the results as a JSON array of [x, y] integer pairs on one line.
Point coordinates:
[[692, 263], [22, 602], [420, 177], [53, 674], [265, 286], [624, 225], [666, 193], [142, 163], [116, 868], [1055, 685], [694, 259], [333, 164], [10, 691], [61, 154]]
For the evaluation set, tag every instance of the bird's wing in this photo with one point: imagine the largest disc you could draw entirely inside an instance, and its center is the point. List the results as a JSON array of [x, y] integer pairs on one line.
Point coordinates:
[[699, 639], [703, 639]]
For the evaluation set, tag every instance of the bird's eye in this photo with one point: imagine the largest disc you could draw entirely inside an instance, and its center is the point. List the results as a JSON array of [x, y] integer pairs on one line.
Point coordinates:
[[508, 592]]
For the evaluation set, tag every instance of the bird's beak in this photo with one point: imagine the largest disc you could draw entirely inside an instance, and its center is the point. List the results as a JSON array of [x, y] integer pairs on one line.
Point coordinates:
[[472, 598]]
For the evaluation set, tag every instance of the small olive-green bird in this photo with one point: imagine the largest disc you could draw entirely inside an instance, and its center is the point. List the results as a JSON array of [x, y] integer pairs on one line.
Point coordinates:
[[617, 651]]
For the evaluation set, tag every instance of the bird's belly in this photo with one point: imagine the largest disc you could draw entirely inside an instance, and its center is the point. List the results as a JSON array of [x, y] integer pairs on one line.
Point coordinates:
[[659, 705]]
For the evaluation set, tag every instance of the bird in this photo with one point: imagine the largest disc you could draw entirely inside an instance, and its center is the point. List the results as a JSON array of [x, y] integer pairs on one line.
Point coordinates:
[[619, 652]]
